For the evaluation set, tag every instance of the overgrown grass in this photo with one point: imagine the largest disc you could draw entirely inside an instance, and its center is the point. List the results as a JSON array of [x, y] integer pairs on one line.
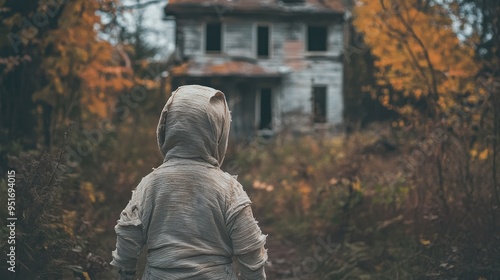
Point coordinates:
[[393, 204], [383, 203]]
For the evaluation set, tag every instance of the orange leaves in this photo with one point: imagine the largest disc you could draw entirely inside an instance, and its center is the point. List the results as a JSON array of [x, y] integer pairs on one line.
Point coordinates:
[[79, 66], [425, 242], [305, 190], [96, 105], [481, 155], [417, 51], [89, 193]]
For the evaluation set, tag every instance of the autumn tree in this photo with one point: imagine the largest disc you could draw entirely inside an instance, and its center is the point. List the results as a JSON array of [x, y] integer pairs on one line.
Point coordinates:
[[58, 70], [437, 66], [361, 106], [418, 54], [54, 64]]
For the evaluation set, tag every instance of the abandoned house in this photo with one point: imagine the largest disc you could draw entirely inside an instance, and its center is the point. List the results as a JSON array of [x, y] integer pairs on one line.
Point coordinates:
[[278, 62]]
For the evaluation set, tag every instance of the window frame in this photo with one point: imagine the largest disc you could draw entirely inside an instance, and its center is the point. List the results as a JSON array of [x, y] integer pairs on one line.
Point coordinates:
[[269, 39], [205, 35], [258, 107], [325, 106], [306, 40]]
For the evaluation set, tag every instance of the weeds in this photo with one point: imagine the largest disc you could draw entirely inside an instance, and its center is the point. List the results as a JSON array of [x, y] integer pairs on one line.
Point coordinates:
[[397, 206]]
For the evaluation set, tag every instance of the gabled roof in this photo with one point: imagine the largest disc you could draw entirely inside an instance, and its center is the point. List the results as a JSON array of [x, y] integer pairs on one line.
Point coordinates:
[[271, 7]]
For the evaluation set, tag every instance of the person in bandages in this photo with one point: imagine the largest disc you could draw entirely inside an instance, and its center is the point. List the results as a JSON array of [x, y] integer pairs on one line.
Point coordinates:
[[190, 217]]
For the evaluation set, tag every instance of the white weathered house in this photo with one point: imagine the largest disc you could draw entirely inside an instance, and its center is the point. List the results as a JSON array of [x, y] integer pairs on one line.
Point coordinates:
[[278, 62]]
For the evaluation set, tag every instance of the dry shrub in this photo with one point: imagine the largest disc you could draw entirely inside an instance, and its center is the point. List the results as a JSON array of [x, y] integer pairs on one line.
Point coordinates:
[[46, 246], [395, 202]]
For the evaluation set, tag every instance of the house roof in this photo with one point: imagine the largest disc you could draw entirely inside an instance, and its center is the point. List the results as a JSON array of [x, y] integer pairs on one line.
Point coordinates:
[[272, 7], [223, 69]]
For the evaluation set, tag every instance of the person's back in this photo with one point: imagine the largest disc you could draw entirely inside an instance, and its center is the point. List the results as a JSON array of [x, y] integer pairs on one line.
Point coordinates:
[[191, 216]]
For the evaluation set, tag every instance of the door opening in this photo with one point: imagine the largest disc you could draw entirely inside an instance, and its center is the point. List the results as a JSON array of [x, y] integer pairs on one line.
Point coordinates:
[[266, 114]]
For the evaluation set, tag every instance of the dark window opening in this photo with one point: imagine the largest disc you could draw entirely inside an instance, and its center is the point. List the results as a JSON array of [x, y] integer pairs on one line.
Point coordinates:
[[293, 1], [263, 41], [319, 104], [213, 42], [316, 38], [265, 109]]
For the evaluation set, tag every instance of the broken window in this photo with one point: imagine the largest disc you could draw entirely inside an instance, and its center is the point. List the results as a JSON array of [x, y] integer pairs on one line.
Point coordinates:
[[213, 40], [319, 104], [263, 41], [316, 38], [266, 114]]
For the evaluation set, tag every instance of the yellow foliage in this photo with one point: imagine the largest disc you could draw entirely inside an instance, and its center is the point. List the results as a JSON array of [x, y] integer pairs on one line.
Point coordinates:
[[356, 185], [484, 154], [82, 67], [305, 191], [417, 52], [425, 242], [473, 153], [69, 222], [88, 191], [86, 275]]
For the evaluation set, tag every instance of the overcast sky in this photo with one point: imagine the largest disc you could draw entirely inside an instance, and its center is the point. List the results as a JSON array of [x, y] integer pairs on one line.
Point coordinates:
[[161, 33]]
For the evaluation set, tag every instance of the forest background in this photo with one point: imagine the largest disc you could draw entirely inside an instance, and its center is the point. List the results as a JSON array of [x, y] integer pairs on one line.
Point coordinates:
[[409, 190]]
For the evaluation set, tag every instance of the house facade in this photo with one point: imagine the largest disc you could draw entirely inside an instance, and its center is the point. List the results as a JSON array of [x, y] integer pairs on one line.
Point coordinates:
[[278, 62]]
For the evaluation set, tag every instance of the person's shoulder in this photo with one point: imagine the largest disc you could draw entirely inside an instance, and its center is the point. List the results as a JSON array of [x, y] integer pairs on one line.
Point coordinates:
[[228, 176], [231, 180], [235, 188], [150, 179], [153, 174]]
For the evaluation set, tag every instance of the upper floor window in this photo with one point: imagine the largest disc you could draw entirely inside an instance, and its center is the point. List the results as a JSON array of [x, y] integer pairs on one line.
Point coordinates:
[[213, 39], [263, 41], [316, 38]]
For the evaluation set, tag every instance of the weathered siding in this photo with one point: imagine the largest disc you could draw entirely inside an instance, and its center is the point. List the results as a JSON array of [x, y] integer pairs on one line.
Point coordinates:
[[292, 98], [287, 36], [288, 40], [191, 36], [329, 74], [306, 70], [297, 89], [237, 39], [241, 100], [336, 39]]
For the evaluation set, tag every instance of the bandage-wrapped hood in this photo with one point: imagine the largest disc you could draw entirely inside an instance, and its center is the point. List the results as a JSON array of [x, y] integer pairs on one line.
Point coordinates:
[[194, 124]]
